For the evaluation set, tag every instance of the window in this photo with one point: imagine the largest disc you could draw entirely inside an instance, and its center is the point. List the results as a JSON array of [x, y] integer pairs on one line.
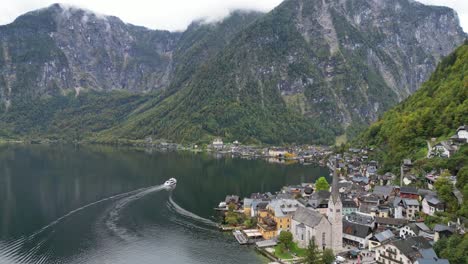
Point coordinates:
[[323, 240], [338, 210]]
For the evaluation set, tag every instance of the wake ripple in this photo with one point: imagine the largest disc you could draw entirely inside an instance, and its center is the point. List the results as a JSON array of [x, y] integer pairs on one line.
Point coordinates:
[[115, 212], [9, 253], [181, 211]]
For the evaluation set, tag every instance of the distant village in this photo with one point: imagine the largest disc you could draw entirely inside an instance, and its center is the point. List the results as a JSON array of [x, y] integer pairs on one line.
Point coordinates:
[[363, 216]]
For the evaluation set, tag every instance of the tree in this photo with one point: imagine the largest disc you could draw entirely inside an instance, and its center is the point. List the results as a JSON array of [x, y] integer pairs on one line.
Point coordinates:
[[327, 256], [322, 184], [286, 239], [462, 177], [445, 192], [313, 255], [453, 248]]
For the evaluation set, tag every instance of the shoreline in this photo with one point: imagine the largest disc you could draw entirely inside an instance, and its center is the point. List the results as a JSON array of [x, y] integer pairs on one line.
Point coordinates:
[[254, 152]]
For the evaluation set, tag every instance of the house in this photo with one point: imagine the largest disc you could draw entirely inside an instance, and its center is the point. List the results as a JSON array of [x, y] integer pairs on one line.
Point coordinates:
[[277, 152], [319, 201], [409, 192], [409, 251], [217, 144], [406, 208], [430, 180], [384, 192], [281, 210], [462, 133], [441, 231], [356, 234], [443, 149], [387, 178], [383, 222], [232, 199], [248, 206], [258, 205], [416, 229], [361, 219], [349, 206], [431, 205], [380, 238], [380, 211]]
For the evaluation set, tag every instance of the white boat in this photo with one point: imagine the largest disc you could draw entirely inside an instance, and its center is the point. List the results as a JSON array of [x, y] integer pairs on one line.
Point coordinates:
[[171, 182]]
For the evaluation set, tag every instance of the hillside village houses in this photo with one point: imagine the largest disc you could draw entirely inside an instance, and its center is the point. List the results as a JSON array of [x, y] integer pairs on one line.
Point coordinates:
[[447, 148], [360, 215]]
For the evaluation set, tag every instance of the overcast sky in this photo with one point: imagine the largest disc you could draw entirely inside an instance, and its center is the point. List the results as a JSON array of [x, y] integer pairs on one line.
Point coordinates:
[[174, 14]]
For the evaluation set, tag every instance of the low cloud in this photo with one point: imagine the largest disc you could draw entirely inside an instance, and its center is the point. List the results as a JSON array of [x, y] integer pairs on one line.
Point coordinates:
[[175, 14]]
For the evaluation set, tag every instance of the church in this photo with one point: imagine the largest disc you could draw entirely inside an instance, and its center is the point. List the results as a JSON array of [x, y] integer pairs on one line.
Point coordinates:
[[327, 231]]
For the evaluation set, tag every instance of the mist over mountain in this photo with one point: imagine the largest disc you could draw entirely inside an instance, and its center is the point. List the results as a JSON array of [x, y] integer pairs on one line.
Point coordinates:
[[308, 71]]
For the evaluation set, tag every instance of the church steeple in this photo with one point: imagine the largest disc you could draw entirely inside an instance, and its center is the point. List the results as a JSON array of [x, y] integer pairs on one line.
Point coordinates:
[[335, 190], [335, 213]]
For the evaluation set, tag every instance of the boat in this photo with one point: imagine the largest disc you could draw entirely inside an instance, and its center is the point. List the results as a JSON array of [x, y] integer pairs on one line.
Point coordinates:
[[171, 182]]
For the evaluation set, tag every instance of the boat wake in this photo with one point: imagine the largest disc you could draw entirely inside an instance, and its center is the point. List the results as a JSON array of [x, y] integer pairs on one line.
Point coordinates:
[[113, 216], [174, 207], [12, 251]]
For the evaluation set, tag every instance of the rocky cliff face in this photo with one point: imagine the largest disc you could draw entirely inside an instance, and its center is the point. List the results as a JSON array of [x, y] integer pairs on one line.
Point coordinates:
[[309, 69], [61, 49]]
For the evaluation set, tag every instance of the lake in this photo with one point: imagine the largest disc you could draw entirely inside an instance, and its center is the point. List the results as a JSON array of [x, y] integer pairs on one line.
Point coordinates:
[[95, 204]]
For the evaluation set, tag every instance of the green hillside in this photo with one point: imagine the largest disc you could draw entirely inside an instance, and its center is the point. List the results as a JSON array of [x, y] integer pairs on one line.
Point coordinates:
[[434, 111]]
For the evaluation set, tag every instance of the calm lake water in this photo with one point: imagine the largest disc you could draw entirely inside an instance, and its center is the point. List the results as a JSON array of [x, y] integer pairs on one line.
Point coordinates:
[[66, 204]]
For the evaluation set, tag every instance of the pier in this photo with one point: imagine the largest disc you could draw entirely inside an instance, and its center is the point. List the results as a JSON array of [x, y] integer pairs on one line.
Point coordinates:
[[241, 238]]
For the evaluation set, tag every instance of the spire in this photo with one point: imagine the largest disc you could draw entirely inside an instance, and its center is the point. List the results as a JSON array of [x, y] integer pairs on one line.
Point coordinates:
[[335, 191]]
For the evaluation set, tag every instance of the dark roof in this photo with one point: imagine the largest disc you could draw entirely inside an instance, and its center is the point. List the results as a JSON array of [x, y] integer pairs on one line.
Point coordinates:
[[390, 221], [307, 217], [360, 218], [349, 204], [411, 246], [443, 228], [232, 199], [384, 191], [356, 230], [262, 205], [410, 190]]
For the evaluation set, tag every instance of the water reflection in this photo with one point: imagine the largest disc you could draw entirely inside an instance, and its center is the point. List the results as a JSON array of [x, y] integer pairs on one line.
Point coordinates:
[[102, 204]]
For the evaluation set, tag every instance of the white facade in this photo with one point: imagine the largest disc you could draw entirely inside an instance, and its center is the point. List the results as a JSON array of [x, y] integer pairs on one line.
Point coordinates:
[[303, 234], [463, 133], [390, 254], [363, 242], [429, 209], [406, 232]]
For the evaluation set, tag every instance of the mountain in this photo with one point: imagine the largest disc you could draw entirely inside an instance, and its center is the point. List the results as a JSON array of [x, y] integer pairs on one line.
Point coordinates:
[[436, 110], [308, 71]]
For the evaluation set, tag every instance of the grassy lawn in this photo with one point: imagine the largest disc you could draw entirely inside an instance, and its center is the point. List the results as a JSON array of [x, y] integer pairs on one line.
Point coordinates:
[[294, 251]]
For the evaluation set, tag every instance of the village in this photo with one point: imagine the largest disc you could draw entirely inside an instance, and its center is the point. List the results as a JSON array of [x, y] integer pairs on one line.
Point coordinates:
[[362, 216]]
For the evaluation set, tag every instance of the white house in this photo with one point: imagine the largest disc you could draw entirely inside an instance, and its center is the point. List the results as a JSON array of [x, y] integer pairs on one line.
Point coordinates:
[[409, 251], [431, 204], [356, 234], [277, 152], [462, 132], [443, 149], [406, 208], [217, 143], [416, 229]]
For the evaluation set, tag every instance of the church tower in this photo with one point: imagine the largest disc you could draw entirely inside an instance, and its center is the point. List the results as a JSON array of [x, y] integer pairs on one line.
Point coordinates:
[[335, 215]]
